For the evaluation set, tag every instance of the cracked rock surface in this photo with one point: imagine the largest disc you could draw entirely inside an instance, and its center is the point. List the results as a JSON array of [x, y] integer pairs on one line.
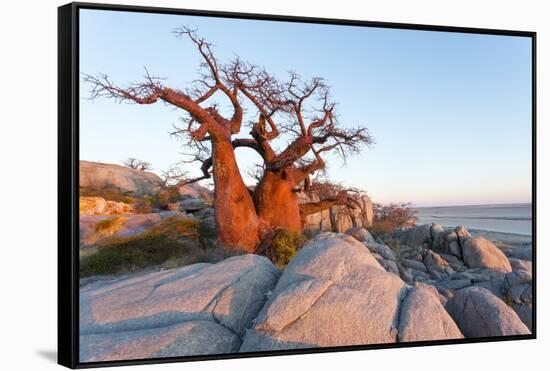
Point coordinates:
[[479, 313], [423, 317], [198, 309], [335, 293]]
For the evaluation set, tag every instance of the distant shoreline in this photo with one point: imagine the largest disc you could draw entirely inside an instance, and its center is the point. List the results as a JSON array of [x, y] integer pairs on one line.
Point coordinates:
[[475, 205]]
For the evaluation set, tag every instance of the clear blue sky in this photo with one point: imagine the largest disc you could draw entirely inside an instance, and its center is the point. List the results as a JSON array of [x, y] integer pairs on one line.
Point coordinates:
[[450, 113]]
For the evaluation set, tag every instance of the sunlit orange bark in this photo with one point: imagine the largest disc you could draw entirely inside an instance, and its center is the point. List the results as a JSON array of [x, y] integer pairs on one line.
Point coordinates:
[[276, 203], [236, 219]]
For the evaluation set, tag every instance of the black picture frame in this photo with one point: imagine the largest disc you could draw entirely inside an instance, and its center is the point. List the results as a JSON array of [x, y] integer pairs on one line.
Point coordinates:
[[68, 178]]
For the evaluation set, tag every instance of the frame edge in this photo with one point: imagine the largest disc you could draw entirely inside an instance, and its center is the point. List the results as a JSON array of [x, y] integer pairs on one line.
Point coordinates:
[[67, 351]]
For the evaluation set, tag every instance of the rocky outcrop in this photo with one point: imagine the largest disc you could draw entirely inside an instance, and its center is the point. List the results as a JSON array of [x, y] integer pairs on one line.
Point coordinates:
[[337, 291], [98, 175], [198, 309], [462, 248], [333, 293], [338, 218], [99, 206], [479, 313]]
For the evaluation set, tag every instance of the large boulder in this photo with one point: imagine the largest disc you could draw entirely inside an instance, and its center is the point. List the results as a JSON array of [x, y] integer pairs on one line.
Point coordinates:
[[479, 252], [98, 175], [424, 318], [479, 313], [333, 293], [198, 309]]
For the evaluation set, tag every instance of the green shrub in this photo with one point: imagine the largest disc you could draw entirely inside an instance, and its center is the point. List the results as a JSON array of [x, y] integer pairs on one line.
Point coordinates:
[[173, 238], [284, 247]]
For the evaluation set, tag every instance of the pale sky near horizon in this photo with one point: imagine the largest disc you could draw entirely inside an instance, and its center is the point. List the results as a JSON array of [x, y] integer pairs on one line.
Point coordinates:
[[450, 113]]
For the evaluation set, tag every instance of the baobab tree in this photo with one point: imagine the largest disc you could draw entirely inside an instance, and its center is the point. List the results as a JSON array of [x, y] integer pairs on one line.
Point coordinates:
[[134, 163], [297, 112]]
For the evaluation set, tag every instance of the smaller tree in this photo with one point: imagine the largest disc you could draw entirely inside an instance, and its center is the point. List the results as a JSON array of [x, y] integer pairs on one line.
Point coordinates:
[[391, 216], [327, 194], [134, 163]]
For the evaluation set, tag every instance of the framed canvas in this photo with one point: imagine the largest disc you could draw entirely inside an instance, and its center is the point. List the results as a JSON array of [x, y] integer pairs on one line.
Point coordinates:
[[241, 185]]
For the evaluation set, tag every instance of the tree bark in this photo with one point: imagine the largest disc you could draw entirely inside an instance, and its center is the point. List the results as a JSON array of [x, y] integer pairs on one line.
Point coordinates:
[[236, 219], [276, 203]]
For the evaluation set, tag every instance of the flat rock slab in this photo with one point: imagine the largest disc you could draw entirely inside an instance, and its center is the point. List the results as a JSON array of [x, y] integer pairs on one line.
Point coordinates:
[[479, 313], [333, 293], [184, 339], [228, 294]]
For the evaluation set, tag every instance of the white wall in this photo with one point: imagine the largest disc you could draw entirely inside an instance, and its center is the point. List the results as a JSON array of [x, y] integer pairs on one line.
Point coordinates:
[[28, 187]]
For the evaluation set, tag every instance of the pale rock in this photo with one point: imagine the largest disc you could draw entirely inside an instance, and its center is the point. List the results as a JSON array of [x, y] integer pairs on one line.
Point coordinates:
[[424, 318], [521, 265], [479, 313], [383, 250], [98, 175], [333, 293], [481, 253]]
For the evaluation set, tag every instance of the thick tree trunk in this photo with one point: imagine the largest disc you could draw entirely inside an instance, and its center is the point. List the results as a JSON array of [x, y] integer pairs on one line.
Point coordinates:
[[276, 203], [236, 219]]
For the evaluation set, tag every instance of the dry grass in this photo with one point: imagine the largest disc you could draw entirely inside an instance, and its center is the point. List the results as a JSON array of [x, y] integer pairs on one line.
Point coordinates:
[[171, 243]]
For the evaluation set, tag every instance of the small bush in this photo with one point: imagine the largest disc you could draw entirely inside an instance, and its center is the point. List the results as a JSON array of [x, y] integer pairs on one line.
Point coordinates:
[[173, 238], [284, 246]]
